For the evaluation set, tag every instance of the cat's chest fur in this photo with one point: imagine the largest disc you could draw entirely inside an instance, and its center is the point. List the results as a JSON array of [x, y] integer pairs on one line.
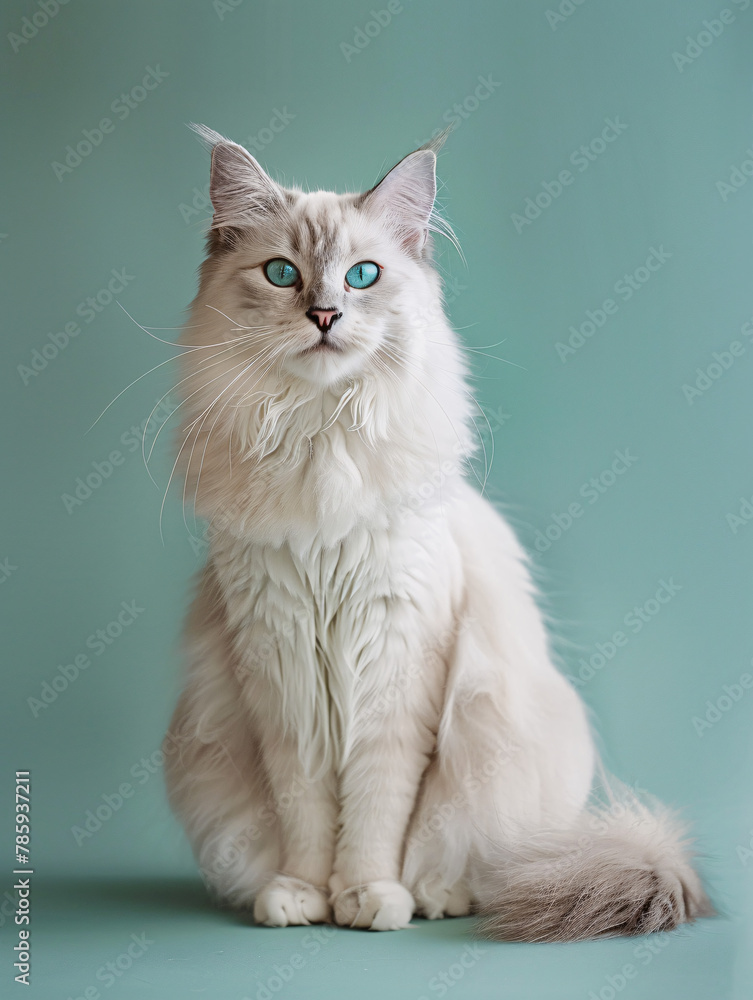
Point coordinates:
[[310, 472], [322, 632]]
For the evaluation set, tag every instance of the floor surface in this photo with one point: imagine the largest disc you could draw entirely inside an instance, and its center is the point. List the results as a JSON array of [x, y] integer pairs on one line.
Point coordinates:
[[163, 939]]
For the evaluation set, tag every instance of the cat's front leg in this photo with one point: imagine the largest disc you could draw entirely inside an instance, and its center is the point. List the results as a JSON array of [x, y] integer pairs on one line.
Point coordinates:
[[307, 812], [378, 791], [280, 688]]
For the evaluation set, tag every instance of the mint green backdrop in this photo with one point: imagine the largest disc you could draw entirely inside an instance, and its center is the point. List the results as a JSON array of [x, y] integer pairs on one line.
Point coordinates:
[[599, 179]]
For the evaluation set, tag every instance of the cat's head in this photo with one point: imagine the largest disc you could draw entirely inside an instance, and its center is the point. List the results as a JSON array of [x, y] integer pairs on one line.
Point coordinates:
[[322, 382], [325, 285]]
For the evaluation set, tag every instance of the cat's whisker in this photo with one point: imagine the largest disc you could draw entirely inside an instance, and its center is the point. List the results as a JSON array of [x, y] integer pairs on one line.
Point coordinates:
[[481, 352], [185, 441], [495, 357], [146, 459], [196, 435], [193, 375], [275, 354], [167, 362], [483, 347], [243, 361], [225, 345], [171, 343], [159, 401], [167, 488], [211, 430], [282, 349], [488, 462], [229, 318]]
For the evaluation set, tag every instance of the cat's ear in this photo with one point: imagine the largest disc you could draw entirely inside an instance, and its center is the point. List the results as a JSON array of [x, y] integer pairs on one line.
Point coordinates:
[[405, 197], [239, 188]]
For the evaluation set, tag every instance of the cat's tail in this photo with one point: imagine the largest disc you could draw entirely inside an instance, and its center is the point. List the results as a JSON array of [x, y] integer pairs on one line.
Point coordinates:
[[623, 869]]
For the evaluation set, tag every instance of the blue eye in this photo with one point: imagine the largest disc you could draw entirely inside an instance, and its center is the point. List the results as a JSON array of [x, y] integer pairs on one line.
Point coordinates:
[[281, 272], [362, 275]]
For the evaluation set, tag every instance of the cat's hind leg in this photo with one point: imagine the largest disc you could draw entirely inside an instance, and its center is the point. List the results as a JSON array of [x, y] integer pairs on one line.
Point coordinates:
[[511, 758]]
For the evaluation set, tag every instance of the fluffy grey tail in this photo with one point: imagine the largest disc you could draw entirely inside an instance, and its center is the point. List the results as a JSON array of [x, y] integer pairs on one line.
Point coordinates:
[[624, 869]]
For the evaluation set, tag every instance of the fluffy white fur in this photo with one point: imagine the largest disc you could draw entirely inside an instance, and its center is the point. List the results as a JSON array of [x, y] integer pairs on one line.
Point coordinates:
[[372, 725]]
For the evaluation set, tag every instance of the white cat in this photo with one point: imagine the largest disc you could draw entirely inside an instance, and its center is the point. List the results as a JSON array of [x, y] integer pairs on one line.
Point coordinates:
[[372, 725]]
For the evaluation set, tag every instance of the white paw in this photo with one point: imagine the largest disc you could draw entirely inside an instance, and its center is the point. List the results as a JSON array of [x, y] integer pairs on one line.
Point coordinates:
[[286, 900], [435, 900], [378, 906]]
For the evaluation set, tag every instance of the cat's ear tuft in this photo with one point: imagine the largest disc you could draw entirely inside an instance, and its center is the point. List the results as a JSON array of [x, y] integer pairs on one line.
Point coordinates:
[[405, 197], [239, 188]]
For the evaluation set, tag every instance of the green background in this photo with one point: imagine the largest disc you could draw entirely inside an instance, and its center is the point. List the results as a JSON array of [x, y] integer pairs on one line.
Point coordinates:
[[554, 425]]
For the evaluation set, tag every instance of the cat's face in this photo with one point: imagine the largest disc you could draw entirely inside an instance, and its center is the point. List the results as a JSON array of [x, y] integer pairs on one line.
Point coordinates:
[[321, 282]]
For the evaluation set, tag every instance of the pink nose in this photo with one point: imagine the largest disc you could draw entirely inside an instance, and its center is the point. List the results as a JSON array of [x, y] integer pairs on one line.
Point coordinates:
[[324, 318]]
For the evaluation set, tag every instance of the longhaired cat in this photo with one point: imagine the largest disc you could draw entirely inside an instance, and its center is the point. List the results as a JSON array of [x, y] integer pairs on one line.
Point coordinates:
[[372, 726]]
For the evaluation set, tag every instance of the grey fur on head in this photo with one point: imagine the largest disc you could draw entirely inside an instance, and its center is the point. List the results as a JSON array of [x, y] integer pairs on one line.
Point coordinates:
[[251, 190]]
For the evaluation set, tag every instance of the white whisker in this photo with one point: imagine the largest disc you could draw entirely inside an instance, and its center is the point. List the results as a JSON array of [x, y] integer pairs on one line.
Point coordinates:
[[193, 374], [275, 353]]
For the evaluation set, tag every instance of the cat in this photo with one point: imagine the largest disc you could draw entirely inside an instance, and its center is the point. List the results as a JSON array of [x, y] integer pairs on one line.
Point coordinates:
[[372, 726]]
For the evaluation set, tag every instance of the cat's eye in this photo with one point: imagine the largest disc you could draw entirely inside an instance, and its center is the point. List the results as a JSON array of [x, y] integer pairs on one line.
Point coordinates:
[[281, 272], [363, 275]]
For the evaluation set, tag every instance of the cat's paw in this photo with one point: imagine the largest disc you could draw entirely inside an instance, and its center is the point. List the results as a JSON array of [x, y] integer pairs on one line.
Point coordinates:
[[286, 900], [378, 906], [435, 900]]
